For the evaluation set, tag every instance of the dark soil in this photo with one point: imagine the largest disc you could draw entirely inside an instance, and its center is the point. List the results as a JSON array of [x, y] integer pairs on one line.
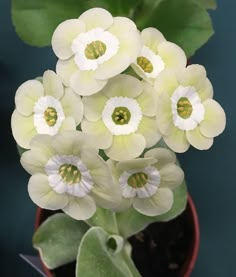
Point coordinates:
[[162, 248], [159, 250]]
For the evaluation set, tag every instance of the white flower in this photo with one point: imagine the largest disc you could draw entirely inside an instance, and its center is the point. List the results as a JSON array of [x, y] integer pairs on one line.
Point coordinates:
[[156, 55], [44, 108], [186, 113], [147, 183], [68, 174], [121, 117], [94, 48]]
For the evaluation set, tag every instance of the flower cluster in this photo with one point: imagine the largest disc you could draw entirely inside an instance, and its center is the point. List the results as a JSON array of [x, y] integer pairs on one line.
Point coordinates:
[[91, 130]]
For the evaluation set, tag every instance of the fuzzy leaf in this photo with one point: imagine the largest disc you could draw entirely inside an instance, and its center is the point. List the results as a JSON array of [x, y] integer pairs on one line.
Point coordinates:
[[105, 219], [131, 222], [58, 239], [183, 22], [97, 258], [35, 21]]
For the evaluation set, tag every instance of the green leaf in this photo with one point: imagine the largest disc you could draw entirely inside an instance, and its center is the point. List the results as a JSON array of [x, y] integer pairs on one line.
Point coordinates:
[[183, 22], [97, 258], [131, 222], [35, 21], [105, 219], [207, 4], [58, 239]]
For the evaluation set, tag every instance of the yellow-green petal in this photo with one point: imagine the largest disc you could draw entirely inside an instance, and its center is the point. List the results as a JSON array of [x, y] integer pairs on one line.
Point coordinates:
[[166, 82], [52, 84], [198, 140], [148, 128], [176, 140], [194, 75], [72, 105], [96, 17], [43, 195], [139, 163], [148, 100], [125, 204], [151, 38], [43, 143], [99, 132], [64, 35], [214, 121], [126, 147], [93, 106], [27, 95], [130, 44], [113, 66], [122, 25], [160, 203], [23, 129], [80, 208], [34, 161], [65, 69], [123, 85], [206, 91], [84, 82], [164, 114], [162, 155], [105, 192], [68, 124], [172, 55], [71, 143], [172, 176]]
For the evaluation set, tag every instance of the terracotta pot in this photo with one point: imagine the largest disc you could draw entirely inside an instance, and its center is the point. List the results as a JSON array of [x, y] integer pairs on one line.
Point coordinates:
[[187, 267]]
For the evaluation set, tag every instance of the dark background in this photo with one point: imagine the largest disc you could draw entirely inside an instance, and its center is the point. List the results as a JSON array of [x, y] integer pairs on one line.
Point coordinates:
[[210, 174]]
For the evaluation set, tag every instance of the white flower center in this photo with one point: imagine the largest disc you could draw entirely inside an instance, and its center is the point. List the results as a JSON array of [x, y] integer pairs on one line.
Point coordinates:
[[68, 174], [122, 115], [94, 48], [140, 183], [48, 115], [187, 109], [150, 63]]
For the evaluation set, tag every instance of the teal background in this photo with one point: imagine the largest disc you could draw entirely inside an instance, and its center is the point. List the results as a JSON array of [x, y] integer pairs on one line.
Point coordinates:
[[210, 174]]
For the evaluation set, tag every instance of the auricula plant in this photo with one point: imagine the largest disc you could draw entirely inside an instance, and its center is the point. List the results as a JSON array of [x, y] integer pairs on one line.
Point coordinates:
[[98, 138]]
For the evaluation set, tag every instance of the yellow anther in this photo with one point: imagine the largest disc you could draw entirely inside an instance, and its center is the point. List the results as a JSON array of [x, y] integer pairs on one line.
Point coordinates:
[[51, 122], [144, 177]]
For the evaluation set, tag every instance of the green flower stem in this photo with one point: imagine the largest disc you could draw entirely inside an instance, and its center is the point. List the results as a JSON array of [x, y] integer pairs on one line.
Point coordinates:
[[128, 260], [105, 219]]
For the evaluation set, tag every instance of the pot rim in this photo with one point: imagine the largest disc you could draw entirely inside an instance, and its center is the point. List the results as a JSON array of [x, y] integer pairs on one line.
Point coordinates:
[[189, 264]]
